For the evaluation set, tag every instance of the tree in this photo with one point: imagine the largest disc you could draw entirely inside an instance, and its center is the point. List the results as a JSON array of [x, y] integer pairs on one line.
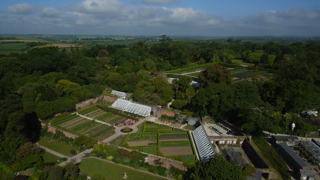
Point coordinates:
[[215, 74], [56, 173], [215, 168], [178, 104], [150, 98], [264, 59], [28, 149], [71, 171]]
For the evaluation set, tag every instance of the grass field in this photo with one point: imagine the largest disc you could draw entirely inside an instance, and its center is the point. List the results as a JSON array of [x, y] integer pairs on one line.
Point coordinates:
[[59, 147], [190, 69], [7, 48], [110, 170], [238, 61], [48, 157]]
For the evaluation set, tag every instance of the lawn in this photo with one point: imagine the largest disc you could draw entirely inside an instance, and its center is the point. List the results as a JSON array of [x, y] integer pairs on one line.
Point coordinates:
[[48, 157], [194, 74], [190, 69], [54, 145], [110, 170], [238, 61]]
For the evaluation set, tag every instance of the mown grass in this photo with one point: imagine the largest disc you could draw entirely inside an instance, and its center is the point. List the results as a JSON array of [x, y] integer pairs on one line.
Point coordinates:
[[54, 145], [48, 157], [110, 170]]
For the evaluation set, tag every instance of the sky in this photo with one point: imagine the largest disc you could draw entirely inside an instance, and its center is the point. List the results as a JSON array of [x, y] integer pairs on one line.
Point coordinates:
[[157, 17]]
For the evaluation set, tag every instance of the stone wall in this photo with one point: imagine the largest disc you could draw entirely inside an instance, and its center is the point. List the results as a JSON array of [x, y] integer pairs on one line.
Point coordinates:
[[167, 163], [158, 111], [92, 101], [253, 155], [53, 129]]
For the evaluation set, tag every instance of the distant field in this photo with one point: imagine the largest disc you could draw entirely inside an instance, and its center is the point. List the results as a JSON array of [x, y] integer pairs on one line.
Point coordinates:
[[7, 48], [59, 45]]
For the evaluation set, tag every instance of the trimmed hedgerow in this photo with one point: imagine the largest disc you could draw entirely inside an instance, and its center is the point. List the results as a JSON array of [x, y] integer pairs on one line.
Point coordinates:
[[150, 148], [187, 157]]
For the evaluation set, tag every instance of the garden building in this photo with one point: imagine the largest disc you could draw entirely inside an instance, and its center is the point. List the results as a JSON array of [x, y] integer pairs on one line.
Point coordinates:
[[120, 94], [289, 140], [203, 145]]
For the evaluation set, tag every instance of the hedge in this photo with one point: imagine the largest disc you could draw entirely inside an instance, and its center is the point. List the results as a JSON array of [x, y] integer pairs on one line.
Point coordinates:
[[187, 157], [271, 155], [116, 112], [158, 142], [126, 141], [150, 148], [194, 150], [144, 125]]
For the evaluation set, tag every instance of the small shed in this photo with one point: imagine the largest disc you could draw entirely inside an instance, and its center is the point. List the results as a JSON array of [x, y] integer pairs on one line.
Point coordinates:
[[192, 121]]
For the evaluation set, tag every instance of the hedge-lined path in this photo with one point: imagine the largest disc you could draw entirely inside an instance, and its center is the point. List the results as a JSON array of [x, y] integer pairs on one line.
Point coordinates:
[[119, 133]]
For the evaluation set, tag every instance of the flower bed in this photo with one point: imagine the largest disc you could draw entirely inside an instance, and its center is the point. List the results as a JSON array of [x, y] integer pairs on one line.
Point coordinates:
[[127, 122]]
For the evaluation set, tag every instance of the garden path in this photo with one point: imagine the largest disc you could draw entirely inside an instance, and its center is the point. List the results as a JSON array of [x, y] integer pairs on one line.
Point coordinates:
[[76, 157], [53, 152], [119, 133]]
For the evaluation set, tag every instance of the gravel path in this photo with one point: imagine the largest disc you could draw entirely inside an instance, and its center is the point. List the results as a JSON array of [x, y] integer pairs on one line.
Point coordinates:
[[119, 133], [53, 152]]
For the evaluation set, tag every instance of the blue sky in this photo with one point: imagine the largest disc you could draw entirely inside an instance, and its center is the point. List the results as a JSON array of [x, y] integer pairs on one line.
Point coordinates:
[[156, 17]]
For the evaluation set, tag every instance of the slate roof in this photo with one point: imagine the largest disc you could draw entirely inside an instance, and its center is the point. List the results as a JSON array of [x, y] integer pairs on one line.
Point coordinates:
[[285, 138], [235, 156], [294, 156]]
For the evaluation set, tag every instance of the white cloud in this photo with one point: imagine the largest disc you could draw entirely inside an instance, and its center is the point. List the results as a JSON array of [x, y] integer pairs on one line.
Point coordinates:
[[117, 17], [154, 2], [21, 9]]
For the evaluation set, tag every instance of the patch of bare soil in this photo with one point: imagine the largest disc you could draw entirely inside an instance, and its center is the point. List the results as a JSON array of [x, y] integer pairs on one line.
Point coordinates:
[[172, 151], [189, 127], [140, 143]]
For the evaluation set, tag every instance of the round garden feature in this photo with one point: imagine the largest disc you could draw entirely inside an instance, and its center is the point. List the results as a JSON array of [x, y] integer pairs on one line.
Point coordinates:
[[126, 130]]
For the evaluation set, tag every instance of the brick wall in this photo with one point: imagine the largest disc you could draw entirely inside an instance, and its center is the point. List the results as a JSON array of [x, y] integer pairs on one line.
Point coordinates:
[[53, 129], [92, 101], [158, 111]]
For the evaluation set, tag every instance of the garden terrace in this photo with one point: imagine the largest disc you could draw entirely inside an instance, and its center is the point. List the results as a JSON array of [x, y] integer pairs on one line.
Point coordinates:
[[135, 108], [170, 144]]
